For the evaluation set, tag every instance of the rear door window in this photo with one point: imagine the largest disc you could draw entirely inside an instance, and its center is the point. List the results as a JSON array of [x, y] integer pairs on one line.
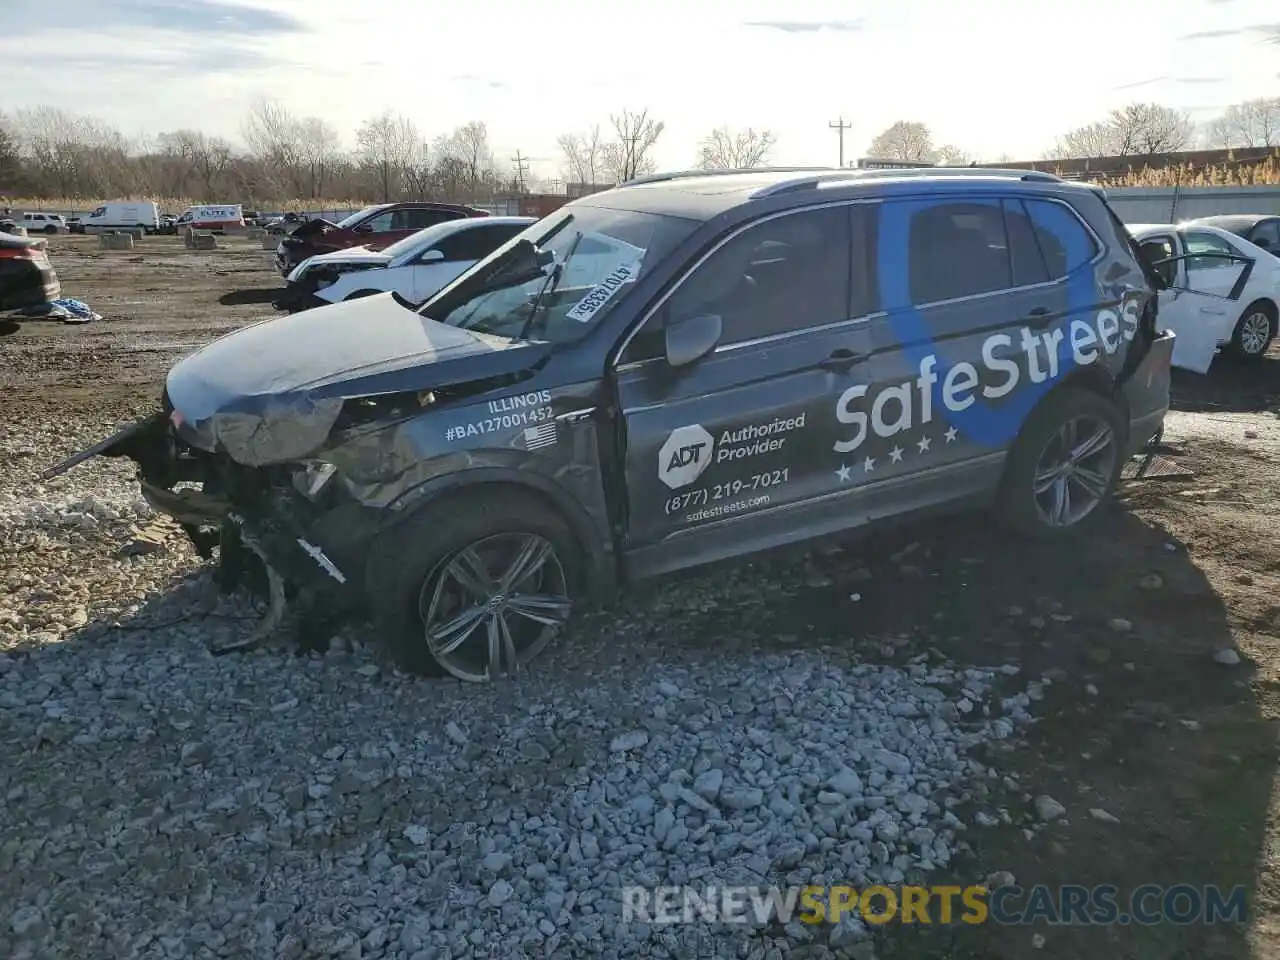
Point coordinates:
[[957, 250], [1198, 242]]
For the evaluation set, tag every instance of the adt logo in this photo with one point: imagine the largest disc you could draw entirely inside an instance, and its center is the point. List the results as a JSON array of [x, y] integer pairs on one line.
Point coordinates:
[[685, 455]]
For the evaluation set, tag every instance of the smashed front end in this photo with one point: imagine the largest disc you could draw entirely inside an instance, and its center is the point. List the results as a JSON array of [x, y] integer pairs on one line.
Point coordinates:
[[287, 446]]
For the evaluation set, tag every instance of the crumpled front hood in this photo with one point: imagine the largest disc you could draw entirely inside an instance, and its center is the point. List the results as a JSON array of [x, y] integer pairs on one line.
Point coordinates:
[[349, 255], [271, 392]]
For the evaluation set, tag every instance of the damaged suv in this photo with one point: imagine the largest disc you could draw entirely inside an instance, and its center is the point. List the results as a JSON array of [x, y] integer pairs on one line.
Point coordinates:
[[744, 360]]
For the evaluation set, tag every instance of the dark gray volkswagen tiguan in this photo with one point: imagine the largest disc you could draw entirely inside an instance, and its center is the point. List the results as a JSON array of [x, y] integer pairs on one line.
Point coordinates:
[[686, 368]]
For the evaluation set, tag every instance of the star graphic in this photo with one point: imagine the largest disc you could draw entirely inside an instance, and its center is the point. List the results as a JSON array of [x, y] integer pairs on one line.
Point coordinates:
[[843, 473], [923, 444], [951, 434], [895, 455], [868, 464]]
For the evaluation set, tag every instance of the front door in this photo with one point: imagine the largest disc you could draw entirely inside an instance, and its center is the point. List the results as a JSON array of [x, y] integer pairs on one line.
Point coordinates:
[[745, 430]]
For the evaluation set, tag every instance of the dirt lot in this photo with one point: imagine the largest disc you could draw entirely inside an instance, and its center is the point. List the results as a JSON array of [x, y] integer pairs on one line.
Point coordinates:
[[1140, 720]]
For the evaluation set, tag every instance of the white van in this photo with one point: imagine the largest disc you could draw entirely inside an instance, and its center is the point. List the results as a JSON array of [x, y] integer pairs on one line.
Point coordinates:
[[124, 215], [214, 217]]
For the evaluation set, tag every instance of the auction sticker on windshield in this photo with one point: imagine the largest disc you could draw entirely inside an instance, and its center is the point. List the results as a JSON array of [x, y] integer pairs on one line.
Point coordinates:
[[602, 293]]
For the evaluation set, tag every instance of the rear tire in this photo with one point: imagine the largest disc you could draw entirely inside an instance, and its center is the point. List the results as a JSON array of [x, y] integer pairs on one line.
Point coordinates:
[[1254, 331], [51, 229], [450, 575], [1065, 464]]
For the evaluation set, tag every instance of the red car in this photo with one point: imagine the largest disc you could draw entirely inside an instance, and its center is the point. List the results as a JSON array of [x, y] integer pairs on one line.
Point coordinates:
[[374, 227]]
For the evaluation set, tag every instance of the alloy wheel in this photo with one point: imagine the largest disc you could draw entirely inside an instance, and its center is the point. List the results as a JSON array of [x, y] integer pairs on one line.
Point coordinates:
[[1255, 333], [493, 606], [1074, 471]]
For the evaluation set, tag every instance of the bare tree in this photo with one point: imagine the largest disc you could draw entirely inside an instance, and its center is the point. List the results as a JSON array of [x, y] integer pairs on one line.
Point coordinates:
[[318, 149], [950, 155], [271, 132], [583, 156], [1139, 129], [192, 154], [904, 140], [1254, 123], [468, 145], [628, 156], [725, 149], [388, 145], [10, 157]]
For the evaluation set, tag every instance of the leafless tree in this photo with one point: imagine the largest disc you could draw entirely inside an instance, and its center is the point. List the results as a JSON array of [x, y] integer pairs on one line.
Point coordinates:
[[468, 146], [271, 133], [627, 157], [10, 157], [318, 149], [1253, 123], [1136, 130], [583, 155], [195, 154], [726, 149], [950, 155], [388, 144], [904, 140]]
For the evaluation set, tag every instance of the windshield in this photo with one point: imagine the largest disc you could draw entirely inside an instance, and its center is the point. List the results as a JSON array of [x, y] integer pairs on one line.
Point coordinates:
[[421, 240], [598, 253], [359, 215]]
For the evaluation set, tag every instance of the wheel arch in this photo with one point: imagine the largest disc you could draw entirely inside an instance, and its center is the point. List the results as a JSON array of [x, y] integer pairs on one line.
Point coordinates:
[[593, 540], [1095, 379]]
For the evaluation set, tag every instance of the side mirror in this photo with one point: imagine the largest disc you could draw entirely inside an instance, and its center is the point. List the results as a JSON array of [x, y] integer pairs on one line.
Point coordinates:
[[691, 339], [431, 256], [364, 228]]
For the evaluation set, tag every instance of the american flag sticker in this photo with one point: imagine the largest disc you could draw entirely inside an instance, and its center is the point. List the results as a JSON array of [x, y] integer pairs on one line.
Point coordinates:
[[543, 435]]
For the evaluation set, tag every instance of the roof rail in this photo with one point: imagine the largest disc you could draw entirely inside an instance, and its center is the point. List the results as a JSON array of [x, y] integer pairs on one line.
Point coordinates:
[[687, 174], [829, 176]]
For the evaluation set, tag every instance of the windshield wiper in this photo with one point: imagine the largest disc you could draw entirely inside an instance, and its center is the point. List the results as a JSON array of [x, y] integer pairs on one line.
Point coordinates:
[[548, 288]]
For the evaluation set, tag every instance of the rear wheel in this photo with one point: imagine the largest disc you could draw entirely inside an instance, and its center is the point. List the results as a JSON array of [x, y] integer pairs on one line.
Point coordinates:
[[1064, 465], [1255, 330], [476, 589], [50, 229]]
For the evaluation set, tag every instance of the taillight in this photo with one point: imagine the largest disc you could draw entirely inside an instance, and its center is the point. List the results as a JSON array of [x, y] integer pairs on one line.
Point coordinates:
[[21, 253]]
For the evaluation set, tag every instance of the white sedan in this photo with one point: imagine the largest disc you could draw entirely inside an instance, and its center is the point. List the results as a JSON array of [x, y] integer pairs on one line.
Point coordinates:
[[1206, 305], [415, 267]]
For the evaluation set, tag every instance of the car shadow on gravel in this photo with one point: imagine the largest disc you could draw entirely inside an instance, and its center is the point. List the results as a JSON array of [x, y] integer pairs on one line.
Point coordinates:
[[1231, 385], [1138, 720], [252, 297]]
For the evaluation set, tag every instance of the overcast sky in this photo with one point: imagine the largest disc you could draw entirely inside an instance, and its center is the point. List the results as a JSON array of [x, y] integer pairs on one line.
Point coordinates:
[[992, 76]]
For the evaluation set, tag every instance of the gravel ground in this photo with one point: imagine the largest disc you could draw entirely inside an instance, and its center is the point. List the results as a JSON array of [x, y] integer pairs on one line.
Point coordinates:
[[165, 802]]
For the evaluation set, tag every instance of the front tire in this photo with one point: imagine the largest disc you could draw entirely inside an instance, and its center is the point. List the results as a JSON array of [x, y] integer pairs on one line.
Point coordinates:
[[1254, 331], [1065, 463], [475, 588]]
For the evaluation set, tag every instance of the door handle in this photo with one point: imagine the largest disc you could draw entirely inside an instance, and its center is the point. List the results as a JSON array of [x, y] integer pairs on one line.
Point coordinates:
[[1039, 317], [841, 360]]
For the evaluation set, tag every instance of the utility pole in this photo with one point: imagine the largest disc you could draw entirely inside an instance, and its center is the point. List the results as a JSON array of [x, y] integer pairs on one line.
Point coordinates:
[[840, 126], [522, 167]]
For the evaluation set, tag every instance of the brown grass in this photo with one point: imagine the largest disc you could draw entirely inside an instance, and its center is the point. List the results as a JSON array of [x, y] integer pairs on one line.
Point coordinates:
[[1225, 175]]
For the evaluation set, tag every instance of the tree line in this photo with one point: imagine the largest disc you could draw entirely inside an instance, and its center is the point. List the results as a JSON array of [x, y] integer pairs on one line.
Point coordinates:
[[1135, 130], [287, 158], [46, 152]]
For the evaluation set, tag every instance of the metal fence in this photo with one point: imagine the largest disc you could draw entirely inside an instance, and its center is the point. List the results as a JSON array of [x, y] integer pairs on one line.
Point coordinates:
[[1172, 204]]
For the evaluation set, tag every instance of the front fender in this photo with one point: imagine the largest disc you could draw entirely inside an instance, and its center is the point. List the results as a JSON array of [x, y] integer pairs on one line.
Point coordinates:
[[593, 536]]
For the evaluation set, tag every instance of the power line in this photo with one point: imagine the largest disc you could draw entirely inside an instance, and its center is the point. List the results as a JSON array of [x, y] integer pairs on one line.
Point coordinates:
[[841, 126]]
